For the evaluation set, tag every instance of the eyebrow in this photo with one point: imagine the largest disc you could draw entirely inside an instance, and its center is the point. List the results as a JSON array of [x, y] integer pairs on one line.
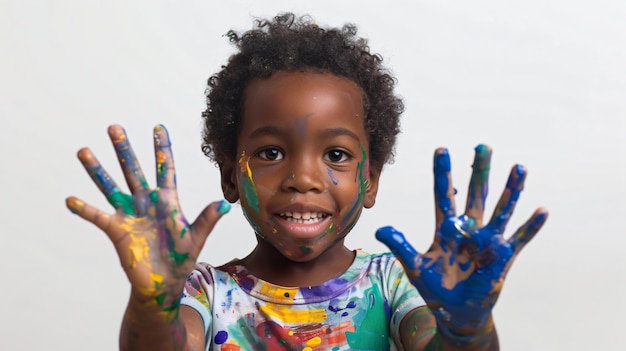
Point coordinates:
[[329, 132]]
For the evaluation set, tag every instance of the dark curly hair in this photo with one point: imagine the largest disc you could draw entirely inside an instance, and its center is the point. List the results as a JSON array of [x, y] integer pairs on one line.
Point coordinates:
[[286, 44]]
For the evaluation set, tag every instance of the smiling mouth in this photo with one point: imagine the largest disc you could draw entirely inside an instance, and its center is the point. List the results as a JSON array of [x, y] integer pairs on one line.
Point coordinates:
[[303, 217]]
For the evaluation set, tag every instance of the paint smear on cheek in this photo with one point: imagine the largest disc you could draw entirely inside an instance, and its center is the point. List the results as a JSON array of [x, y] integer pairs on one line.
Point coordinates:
[[246, 181], [332, 178], [362, 177]]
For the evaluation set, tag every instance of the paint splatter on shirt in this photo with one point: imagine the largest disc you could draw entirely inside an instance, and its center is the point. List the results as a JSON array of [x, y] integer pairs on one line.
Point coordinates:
[[360, 310]]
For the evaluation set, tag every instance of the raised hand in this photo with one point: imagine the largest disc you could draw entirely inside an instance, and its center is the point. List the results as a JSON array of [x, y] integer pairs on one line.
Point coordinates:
[[462, 274], [156, 245]]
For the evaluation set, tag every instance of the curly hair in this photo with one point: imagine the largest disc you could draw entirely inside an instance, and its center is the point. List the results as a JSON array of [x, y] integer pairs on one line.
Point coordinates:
[[288, 44]]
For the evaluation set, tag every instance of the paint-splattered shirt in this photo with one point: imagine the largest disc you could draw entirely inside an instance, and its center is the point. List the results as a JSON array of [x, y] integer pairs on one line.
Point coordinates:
[[360, 310]]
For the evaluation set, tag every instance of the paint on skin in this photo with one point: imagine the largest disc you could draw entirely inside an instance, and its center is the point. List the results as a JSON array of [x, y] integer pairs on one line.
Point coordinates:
[[301, 125], [246, 181], [160, 164], [442, 170], [224, 207], [128, 159], [524, 235], [108, 187], [139, 249], [332, 178], [514, 187], [480, 177], [362, 176], [400, 247], [485, 276]]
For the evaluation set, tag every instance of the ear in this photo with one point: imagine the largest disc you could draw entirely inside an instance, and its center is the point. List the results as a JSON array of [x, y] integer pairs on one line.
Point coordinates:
[[230, 187], [371, 188]]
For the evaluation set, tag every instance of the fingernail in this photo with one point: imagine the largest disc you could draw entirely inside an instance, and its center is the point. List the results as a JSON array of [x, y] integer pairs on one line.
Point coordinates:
[[223, 207]]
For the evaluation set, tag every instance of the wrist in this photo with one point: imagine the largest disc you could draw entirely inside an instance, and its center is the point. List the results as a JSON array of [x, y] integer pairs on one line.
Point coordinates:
[[472, 338], [162, 302]]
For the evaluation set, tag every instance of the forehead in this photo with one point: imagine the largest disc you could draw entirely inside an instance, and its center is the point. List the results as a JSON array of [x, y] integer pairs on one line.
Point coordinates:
[[298, 93]]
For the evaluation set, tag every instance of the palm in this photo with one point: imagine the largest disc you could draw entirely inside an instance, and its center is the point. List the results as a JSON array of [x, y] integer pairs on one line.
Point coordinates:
[[156, 245], [461, 275]]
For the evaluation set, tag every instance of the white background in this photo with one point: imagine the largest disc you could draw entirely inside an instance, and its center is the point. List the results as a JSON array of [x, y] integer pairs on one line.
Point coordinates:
[[542, 82]]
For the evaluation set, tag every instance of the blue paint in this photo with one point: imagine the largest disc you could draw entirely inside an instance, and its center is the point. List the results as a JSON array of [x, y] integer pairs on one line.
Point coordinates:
[[442, 184], [480, 177], [466, 292], [332, 178], [398, 244]]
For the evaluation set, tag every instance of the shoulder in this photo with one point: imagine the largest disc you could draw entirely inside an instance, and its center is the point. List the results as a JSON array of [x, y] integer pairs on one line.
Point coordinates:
[[380, 263]]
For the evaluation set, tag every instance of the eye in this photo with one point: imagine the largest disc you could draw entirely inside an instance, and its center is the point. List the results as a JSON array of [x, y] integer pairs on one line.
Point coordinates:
[[270, 154], [336, 156]]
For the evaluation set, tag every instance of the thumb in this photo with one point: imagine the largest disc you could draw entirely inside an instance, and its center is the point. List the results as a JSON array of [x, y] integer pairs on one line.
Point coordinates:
[[203, 225], [400, 247]]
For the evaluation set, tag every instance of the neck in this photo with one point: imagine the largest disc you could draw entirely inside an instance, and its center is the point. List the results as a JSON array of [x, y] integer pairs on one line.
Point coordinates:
[[267, 263]]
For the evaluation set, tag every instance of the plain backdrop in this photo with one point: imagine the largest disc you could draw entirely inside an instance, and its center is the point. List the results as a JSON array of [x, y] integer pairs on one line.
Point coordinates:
[[542, 82]]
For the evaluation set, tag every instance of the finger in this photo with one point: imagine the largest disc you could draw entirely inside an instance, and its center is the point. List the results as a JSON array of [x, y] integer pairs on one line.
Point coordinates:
[[89, 213], [130, 166], [508, 200], [479, 186], [105, 183], [166, 174], [400, 247], [527, 232], [444, 190], [204, 224]]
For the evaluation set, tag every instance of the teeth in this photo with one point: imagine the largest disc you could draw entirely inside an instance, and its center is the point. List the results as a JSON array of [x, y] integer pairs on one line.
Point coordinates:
[[306, 217]]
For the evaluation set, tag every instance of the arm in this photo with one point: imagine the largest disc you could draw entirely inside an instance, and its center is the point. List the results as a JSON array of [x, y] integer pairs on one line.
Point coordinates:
[[156, 245], [418, 331], [462, 274]]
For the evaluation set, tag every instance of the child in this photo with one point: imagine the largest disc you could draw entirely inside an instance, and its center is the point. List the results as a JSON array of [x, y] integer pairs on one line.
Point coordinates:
[[300, 123]]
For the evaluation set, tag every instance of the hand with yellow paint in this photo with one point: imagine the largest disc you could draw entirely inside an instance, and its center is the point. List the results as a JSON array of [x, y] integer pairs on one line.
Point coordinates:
[[156, 245], [461, 275]]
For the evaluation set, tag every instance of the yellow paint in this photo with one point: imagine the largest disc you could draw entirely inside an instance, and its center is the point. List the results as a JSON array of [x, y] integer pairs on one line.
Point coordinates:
[[307, 349], [294, 316], [316, 341], [279, 292], [139, 249], [157, 279]]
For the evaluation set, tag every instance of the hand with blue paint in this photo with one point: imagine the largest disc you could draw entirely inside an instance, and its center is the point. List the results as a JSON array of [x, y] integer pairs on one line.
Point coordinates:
[[462, 274], [156, 245]]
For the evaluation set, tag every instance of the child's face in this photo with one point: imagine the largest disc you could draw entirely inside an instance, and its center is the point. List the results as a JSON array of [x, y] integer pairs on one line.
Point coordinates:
[[303, 173]]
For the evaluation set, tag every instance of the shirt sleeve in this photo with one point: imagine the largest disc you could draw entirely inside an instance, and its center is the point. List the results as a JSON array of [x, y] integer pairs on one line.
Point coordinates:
[[403, 297], [198, 294]]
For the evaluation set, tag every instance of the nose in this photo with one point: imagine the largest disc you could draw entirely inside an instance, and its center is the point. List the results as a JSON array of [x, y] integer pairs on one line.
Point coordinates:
[[306, 175]]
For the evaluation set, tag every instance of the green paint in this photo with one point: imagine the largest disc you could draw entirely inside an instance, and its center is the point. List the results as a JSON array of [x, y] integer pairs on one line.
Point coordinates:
[[371, 334], [224, 207], [160, 298], [178, 257], [241, 333], [174, 307], [306, 250], [161, 170], [183, 232], [252, 198], [173, 217], [154, 196], [144, 183], [123, 201]]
